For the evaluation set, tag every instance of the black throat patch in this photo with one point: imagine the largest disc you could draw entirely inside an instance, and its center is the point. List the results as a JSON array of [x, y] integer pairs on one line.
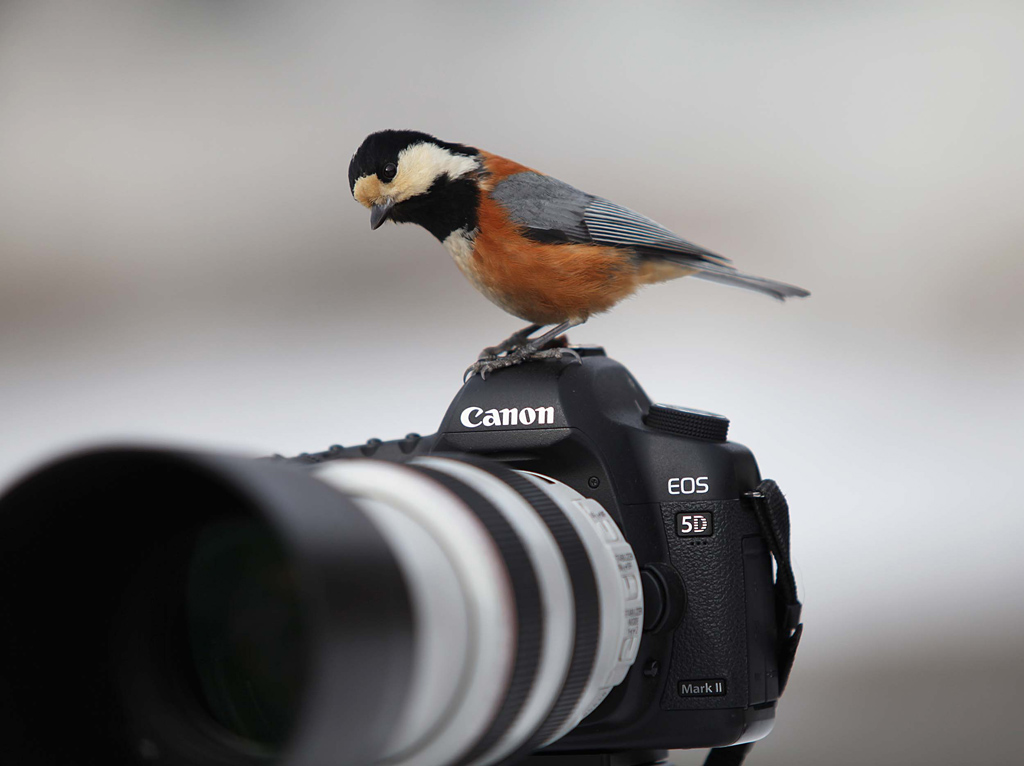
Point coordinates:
[[448, 205]]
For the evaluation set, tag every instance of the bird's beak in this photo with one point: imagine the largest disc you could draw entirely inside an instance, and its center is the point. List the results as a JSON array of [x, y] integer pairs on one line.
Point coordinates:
[[379, 214]]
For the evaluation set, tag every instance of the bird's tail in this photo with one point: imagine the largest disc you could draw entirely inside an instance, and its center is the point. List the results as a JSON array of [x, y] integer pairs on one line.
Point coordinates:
[[727, 275]]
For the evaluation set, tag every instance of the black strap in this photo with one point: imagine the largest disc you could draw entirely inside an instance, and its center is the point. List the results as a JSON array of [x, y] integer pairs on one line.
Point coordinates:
[[772, 513], [773, 516]]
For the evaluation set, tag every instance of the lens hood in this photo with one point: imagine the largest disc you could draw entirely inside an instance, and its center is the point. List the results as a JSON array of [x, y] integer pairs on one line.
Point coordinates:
[[94, 657]]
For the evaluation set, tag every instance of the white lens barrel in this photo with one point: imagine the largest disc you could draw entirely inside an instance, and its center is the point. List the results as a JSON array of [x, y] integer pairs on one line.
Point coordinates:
[[556, 595], [437, 726], [619, 589], [497, 673], [442, 619]]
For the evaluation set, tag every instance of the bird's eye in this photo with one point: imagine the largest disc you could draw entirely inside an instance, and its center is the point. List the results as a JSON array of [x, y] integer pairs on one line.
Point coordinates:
[[389, 172]]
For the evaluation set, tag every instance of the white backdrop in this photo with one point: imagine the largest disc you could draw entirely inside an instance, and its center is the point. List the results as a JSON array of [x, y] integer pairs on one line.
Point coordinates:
[[180, 261]]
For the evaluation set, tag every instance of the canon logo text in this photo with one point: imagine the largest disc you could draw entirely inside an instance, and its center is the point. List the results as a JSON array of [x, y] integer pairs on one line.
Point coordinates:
[[474, 417]]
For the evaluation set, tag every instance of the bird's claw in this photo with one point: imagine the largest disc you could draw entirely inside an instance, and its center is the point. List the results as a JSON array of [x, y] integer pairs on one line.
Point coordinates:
[[515, 341], [487, 364], [483, 367], [558, 353]]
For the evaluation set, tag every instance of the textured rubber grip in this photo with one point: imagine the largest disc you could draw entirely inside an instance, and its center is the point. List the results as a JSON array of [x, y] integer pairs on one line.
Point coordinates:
[[530, 628], [584, 588]]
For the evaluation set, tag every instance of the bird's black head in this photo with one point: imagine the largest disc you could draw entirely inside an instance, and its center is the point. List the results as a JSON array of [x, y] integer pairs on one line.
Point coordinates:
[[408, 176]]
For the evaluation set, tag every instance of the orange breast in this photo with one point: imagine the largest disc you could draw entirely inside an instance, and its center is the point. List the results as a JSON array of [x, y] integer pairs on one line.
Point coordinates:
[[546, 283]]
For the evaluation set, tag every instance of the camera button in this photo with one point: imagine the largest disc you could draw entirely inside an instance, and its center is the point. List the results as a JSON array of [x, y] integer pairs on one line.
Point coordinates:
[[632, 586], [683, 421], [628, 652]]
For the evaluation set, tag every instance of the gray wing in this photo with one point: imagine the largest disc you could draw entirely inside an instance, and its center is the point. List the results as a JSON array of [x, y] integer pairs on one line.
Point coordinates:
[[552, 211], [611, 224], [547, 209]]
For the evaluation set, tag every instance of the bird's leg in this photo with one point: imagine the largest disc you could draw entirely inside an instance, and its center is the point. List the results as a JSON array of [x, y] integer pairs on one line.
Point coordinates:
[[513, 341], [531, 347], [525, 351]]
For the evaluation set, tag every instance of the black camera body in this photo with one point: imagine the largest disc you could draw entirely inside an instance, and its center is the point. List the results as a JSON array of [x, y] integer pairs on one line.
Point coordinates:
[[565, 574], [707, 671]]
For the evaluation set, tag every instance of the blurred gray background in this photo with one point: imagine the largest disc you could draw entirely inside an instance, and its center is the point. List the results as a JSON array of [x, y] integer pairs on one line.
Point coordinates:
[[181, 262]]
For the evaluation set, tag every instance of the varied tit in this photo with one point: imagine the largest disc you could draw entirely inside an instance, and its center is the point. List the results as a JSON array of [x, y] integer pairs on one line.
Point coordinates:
[[535, 246]]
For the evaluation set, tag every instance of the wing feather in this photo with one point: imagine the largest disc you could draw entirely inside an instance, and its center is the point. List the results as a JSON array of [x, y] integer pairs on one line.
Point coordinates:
[[549, 210], [553, 211], [611, 224]]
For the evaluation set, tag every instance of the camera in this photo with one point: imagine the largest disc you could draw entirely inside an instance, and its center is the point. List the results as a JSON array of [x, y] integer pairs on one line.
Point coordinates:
[[564, 573]]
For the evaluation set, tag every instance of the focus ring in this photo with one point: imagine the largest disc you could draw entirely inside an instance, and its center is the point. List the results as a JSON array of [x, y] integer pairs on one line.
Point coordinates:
[[584, 588], [529, 610]]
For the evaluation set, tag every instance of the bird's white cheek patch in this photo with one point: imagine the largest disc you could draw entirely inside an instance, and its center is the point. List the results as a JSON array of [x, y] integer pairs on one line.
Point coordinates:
[[421, 164]]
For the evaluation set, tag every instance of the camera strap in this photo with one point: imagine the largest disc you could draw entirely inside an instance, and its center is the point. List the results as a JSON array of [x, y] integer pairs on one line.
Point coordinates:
[[772, 511]]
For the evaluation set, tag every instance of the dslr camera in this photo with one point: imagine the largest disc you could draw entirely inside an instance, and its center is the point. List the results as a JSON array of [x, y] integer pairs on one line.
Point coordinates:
[[564, 574]]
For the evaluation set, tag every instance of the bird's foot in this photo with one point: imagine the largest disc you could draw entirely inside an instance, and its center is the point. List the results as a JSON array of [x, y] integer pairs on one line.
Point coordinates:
[[485, 365], [520, 341], [512, 342]]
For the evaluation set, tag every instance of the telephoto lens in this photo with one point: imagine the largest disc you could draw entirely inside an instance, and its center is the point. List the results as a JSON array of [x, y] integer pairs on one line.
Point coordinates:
[[179, 608]]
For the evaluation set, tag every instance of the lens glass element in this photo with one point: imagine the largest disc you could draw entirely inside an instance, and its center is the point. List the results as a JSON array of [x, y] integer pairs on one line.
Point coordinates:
[[245, 630]]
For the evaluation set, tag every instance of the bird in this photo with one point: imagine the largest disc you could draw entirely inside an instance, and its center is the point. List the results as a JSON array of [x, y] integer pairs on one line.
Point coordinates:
[[540, 249]]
